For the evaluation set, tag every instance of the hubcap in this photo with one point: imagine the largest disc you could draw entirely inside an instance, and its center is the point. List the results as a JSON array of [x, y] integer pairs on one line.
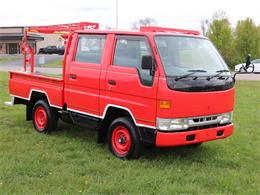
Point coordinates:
[[40, 118], [121, 140]]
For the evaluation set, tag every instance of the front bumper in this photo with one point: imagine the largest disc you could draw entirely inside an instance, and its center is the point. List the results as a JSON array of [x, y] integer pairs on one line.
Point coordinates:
[[165, 139]]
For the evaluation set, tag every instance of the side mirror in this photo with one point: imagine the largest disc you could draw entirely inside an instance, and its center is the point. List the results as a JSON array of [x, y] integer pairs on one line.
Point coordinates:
[[147, 63]]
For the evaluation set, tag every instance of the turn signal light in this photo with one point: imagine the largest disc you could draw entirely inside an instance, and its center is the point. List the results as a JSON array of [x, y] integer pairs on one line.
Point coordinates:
[[165, 104]]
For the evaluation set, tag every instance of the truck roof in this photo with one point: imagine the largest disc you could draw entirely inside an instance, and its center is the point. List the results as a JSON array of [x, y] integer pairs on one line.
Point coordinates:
[[145, 31], [66, 30]]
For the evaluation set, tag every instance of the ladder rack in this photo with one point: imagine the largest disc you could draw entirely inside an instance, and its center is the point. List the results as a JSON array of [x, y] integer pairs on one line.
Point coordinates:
[[172, 30], [65, 30]]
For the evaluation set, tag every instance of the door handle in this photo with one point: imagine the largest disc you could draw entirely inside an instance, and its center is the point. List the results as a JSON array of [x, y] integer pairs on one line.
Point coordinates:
[[73, 76], [111, 82]]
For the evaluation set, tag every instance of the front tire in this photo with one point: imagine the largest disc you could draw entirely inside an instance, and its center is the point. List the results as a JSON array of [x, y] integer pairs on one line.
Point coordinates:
[[44, 117], [242, 69], [123, 139], [251, 68]]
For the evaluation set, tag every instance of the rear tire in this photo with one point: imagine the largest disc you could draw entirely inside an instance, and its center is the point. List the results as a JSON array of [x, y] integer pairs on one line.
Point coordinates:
[[123, 139], [242, 69], [45, 118], [251, 68]]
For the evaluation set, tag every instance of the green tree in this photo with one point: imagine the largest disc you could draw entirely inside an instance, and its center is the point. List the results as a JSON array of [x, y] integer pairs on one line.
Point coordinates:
[[258, 28], [220, 33], [247, 39], [143, 22]]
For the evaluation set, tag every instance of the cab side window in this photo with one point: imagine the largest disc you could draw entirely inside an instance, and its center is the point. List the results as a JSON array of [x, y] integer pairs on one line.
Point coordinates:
[[129, 52], [90, 48]]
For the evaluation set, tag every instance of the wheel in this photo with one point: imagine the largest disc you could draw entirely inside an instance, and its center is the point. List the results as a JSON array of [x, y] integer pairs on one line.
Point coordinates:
[[251, 68], [44, 117], [242, 69], [123, 140]]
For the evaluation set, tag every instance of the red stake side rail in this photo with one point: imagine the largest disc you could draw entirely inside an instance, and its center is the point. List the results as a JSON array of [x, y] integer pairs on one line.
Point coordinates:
[[63, 29]]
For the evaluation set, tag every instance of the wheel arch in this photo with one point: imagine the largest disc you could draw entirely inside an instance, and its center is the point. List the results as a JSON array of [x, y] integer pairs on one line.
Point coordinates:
[[110, 113], [34, 96]]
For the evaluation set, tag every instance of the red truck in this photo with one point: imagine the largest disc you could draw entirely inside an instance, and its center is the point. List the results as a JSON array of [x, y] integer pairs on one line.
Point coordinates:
[[157, 86]]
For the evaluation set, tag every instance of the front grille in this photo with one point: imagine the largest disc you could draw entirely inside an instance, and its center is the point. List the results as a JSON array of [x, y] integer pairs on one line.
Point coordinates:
[[202, 127], [204, 121]]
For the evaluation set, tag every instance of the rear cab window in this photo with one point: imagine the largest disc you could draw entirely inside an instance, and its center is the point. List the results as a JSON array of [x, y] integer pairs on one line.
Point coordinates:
[[90, 48]]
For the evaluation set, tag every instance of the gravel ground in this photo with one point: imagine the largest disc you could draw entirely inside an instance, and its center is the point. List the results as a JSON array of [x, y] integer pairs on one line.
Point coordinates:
[[18, 64]]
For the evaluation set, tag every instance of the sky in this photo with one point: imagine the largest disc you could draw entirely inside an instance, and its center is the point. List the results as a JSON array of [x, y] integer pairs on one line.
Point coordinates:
[[167, 13]]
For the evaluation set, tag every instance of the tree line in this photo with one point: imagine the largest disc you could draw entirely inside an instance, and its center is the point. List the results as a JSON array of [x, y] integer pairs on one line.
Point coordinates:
[[234, 43]]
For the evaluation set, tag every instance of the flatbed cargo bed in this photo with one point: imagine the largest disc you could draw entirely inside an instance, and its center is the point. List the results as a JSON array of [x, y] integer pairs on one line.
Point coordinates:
[[23, 85]]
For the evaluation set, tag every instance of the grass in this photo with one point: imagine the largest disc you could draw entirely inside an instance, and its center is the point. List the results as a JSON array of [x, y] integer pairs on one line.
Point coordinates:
[[53, 64], [69, 161], [58, 76], [7, 59]]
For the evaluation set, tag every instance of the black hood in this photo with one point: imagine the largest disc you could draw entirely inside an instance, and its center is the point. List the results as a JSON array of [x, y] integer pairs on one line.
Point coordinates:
[[200, 84]]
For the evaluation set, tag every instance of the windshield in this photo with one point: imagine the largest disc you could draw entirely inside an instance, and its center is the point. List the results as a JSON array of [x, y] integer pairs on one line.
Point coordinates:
[[180, 55]]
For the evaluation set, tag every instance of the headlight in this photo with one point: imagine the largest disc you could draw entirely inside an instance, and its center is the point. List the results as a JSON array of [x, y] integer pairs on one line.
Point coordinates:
[[226, 118], [172, 124]]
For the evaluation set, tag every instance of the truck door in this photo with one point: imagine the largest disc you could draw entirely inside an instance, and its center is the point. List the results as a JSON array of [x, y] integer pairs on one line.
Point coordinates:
[[84, 74], [127, 84]]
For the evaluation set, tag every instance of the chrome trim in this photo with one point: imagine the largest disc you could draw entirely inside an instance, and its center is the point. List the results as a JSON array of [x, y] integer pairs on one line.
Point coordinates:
[[204, 120], [196, 121]]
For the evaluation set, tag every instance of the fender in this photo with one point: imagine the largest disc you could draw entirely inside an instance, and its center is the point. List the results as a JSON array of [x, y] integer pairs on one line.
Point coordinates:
[[129, 111], [30, 95]]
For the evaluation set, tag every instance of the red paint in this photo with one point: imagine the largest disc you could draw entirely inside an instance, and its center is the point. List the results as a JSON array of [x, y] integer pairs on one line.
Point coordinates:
[[179, 138], [185, 104], [40, 117], [63, 29], [28, 52], [22, 84], [121, 140], [173, 30], [90, 90]]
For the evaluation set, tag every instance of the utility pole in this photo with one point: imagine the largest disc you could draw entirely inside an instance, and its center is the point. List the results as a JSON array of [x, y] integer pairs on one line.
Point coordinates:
[[116, 14]]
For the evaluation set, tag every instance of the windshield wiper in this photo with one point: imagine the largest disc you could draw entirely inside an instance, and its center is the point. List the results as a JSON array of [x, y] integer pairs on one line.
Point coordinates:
[[187, 75], [219, 72]]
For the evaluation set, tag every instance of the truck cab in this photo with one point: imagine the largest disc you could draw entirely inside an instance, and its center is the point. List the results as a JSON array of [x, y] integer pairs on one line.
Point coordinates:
[[157, 86]]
